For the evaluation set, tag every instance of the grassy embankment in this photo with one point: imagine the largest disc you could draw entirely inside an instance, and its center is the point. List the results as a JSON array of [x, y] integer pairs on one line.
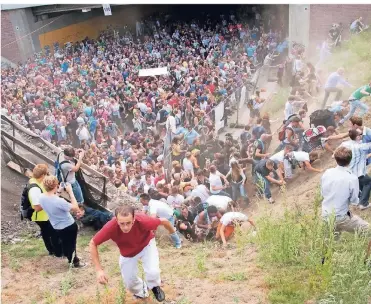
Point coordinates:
[[291, 248]]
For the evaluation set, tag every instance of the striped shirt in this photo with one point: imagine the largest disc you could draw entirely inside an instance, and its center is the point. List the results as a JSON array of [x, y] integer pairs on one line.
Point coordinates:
[[359, 156]]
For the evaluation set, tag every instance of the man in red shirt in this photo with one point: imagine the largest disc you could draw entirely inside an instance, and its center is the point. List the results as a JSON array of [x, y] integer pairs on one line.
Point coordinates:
[[133, 234]]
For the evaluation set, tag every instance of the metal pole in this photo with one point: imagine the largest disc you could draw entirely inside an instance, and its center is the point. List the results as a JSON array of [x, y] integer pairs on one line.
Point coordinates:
[[13, 136], [238, 112]]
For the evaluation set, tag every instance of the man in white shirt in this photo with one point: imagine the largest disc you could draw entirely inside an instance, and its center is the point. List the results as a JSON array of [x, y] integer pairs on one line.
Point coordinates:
[[201, 191], [223, 203], [157, 208], [287, 157], [227, 224], [216, 185], [339, 189]]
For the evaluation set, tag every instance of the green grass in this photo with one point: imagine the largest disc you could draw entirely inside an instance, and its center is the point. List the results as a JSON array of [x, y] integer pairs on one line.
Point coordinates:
[[50, 297], [235, 276], [200, 260], [103, 248], [28, 249], [291, 249], [67, 283], [84, 239], [121, 296]]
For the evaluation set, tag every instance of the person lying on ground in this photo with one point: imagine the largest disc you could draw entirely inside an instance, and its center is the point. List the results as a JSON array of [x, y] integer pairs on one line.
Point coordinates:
[[341, 106], [93, 217], [227, 225]]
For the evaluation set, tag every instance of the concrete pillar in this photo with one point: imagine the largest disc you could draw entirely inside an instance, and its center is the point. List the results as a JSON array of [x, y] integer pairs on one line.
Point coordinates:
[[22, 20], [299, 24]]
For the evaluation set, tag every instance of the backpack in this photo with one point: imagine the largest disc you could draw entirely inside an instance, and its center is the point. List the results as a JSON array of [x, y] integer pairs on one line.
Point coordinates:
[[292, 160], [312, 138], [25, 208], [58, 170], [311, 135], [321, 118]]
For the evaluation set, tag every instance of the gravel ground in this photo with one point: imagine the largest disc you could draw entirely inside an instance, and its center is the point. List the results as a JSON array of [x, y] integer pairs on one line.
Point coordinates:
[[12, 228]]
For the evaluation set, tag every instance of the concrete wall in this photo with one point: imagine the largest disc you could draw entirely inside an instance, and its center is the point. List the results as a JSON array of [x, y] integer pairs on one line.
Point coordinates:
[[9, 50], [92, 25], [299, 23], [322, 16], [72, 26]]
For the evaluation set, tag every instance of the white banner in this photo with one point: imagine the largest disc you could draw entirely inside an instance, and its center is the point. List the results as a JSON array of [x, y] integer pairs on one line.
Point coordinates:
[[153, 72], [107, 10], [219, 113]]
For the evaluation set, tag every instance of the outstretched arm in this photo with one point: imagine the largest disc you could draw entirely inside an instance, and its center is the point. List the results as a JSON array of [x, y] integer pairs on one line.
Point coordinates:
[[167, 225], [101, 276], [174, 236], [310, 168]]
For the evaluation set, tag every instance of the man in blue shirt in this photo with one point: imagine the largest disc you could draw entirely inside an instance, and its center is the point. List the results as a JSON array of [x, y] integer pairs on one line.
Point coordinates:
[[64, 66], [331, 85], [191, 136]]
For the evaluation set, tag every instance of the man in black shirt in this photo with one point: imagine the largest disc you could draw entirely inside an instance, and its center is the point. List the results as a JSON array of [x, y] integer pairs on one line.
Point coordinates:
[[185, 223], [267, 172]]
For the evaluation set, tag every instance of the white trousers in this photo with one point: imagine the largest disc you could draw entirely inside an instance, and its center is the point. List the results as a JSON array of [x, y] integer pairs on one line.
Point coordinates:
[[151, 265]]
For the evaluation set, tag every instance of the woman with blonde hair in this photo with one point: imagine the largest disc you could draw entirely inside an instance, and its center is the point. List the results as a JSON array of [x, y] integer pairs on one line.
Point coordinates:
[[238, 179], [39, 216], [58, 210]]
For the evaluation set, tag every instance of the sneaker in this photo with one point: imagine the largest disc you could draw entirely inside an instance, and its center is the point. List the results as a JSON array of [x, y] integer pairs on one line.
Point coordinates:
[[271, 200], [178, 246], [158, 293], [79, 264], [136, 297], [361, 207]]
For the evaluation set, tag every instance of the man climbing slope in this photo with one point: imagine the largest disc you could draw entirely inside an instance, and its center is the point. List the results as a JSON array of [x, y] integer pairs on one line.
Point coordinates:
[[133, 234]]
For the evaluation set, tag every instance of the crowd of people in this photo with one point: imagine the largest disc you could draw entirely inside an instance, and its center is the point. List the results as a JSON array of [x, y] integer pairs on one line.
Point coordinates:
[[90, 98]]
